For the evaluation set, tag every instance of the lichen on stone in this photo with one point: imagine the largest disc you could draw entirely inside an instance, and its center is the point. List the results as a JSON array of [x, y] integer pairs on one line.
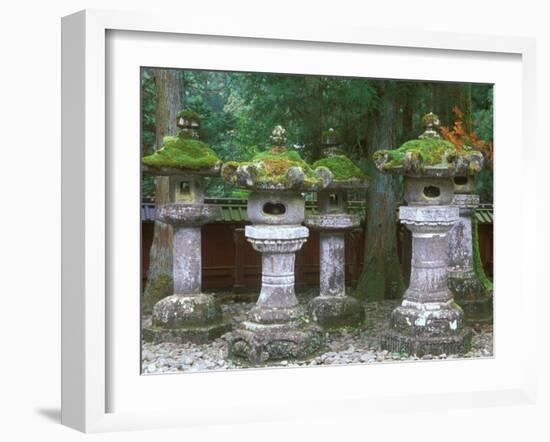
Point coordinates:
[[341, 167], [426, 155], [330, 137], [183, 153], [188, 115], [277, 168], [428, 152], [430, 119]]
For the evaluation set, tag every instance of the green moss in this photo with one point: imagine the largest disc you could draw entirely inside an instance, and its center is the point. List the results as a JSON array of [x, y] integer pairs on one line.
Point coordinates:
[[277, 154], [428, 152], [424, 153], [228, 170], [182, 153], [430, 118], [272, 167], [188, 115], [478, 265], [275, 165], [331, 137], [155, 290], [342, 168]]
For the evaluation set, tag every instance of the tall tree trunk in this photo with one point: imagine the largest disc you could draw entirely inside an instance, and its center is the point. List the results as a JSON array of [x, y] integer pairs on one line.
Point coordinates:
[[159, 277], [381, 276], [448, 95], [407, 116]]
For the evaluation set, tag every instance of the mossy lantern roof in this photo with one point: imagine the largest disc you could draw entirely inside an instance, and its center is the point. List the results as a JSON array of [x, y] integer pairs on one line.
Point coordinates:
[[276, 169], [429, 156], [345, 173], [183, 154]]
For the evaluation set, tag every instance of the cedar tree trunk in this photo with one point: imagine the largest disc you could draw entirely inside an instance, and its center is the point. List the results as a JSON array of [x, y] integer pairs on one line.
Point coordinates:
[[381, 275], [159, 277]]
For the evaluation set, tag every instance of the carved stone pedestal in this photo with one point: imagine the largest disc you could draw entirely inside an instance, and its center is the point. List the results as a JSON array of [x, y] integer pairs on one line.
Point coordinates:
[[428, 321], [333, 308], [188, 314], [468, 290], [277, 327]]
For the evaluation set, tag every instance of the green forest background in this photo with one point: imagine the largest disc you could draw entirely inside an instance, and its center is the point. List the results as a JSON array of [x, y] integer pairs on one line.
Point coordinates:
[[239, 110]]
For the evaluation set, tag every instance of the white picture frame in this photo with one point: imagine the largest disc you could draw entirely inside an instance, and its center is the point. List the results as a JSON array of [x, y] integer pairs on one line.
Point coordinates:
[[88, 233]]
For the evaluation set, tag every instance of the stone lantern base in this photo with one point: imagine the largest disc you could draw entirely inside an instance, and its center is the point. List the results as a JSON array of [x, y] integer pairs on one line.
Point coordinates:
[[186, 318], [277, 327], [336, 311], [428, 321], [260, 343], [469, 293], [333, 308], [427, 328]]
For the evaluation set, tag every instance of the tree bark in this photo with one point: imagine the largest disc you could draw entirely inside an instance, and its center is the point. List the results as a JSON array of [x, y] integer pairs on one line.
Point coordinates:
[[169, 103], [381, 275]]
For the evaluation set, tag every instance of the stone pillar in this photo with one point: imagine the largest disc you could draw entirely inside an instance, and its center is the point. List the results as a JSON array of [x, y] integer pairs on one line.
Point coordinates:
[[428, 321], [276, 327], [278, 246], [468, 290], [332, 308], [187, 260], [332, 270], [188, 314]]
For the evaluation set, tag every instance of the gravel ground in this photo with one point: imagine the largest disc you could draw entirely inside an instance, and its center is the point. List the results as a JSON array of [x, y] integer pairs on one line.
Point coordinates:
[[343, 347]]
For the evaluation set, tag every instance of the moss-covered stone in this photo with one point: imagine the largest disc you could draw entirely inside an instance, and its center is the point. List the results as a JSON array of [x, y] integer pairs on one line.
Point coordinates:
[[188, 115], [395, 342], [474, 299], [337, 311], [430, 119], [181, 311], [330, 138], [157, 289], [341, 167], [274, 343], [204, 334], [182, 153], [429, 155], [428, 152], [277, 168]]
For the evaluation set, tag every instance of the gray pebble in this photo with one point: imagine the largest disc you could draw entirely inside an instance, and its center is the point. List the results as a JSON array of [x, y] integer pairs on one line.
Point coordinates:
[[344, 347], [148, 355]]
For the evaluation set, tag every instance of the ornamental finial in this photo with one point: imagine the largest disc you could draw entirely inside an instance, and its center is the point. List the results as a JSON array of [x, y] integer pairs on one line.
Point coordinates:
[[189, 123], [430, 122], [278, 136]]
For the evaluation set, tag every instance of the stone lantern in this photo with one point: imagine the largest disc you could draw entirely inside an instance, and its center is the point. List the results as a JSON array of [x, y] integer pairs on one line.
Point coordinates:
[[428, 321], [277, 326], [188, 314], [333, 308], [469, 292]]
